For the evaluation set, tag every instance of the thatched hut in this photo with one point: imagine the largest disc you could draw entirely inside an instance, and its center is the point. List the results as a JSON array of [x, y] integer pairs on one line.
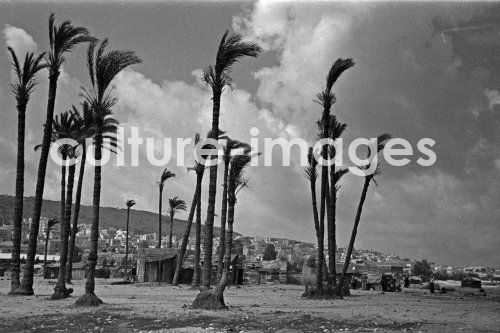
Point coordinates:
[[156, 265]]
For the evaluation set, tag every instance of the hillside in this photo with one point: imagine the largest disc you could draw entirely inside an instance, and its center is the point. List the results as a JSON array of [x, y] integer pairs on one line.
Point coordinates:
[[140, 221]]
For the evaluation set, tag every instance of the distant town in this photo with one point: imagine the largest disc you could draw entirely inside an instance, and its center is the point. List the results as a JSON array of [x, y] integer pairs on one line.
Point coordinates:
[[299, 255]]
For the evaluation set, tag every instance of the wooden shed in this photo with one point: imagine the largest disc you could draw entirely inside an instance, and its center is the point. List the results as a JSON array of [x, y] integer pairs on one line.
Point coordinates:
[[156, 265], [79, 271]]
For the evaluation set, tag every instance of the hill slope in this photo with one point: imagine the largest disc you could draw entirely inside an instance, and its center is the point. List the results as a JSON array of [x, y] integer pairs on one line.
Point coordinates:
[[140, 221]]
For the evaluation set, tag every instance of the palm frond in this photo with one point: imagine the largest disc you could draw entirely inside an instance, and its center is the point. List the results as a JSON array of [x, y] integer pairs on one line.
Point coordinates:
[[381, 140], [25, 74], [311, 170], [166, 174], [231, 49], [176, 205], [52, 222], [63, 39], [338, 67]]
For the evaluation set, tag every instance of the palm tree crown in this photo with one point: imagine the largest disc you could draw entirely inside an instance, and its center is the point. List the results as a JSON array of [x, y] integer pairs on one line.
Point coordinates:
[[176, 205], [167, 174], [63, 39], [326, 98], [52, 222], [130, 203], [311, 170], [25, 75], [230, 50]]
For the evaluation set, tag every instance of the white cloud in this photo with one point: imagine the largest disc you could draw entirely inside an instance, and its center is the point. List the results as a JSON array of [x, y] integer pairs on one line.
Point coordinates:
[[306, 40], [19, 40], [493, 98]]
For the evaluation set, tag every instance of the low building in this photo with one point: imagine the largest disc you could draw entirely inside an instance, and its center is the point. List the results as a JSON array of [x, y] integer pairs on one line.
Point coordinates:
[[156, 265], [390, 266]]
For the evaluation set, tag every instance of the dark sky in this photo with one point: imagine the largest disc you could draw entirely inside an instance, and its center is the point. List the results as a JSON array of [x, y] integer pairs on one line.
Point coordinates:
[[423, 70]]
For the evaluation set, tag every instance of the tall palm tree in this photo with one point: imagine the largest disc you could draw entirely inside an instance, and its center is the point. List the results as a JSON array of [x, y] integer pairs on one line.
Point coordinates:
[[85, 127], [102, 69], [326, 99], [311, 172], [66, 128], [50, 224], [60, 290], [22, 89], [231, 49], [175, 205], [62, 40], [336, 129], [214, 300], [63, 126], [381, 139], [226, 157], [130, 203], [199, 169], [166, 174]]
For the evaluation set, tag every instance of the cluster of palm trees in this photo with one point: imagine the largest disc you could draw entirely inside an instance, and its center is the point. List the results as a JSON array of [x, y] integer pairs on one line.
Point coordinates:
[[331, 128], [95, 122]]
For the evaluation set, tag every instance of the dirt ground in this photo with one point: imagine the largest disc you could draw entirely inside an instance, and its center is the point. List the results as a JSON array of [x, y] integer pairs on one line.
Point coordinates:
[[265, 308]]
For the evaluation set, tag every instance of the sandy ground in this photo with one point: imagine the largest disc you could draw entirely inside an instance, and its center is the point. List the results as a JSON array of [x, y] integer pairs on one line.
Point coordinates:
[[266, 308]]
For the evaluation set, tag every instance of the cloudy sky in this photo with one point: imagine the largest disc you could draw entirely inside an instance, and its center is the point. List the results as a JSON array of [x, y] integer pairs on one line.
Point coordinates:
[[423, 70]]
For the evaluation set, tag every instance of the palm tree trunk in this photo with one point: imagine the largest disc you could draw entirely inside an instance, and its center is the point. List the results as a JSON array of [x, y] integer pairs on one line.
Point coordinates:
[[223, 223], [319, 236], [159, 218], [332, 243], [89, 298], [60, 290], [126, 243], [27, 282], [353, 236], [227, 256], [63, 187], [214, 299], [18, 204], [185, 239], [76, 212], [45, 253], [323, 204], [197, 243], [171, 230], [212, 191]]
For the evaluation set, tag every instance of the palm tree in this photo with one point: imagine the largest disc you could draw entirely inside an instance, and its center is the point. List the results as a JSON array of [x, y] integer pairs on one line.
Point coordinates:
[[214, 300], [22, 89], [176, 205], [166, 174], [62, 40], [231, 49], [102, 69], [336, 129], [226, 157], [312, 175], [130, 203], [381, 139], [326, 99], [199, 169], [85, 127], [63, 126], [66, 128], [50, 224]]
